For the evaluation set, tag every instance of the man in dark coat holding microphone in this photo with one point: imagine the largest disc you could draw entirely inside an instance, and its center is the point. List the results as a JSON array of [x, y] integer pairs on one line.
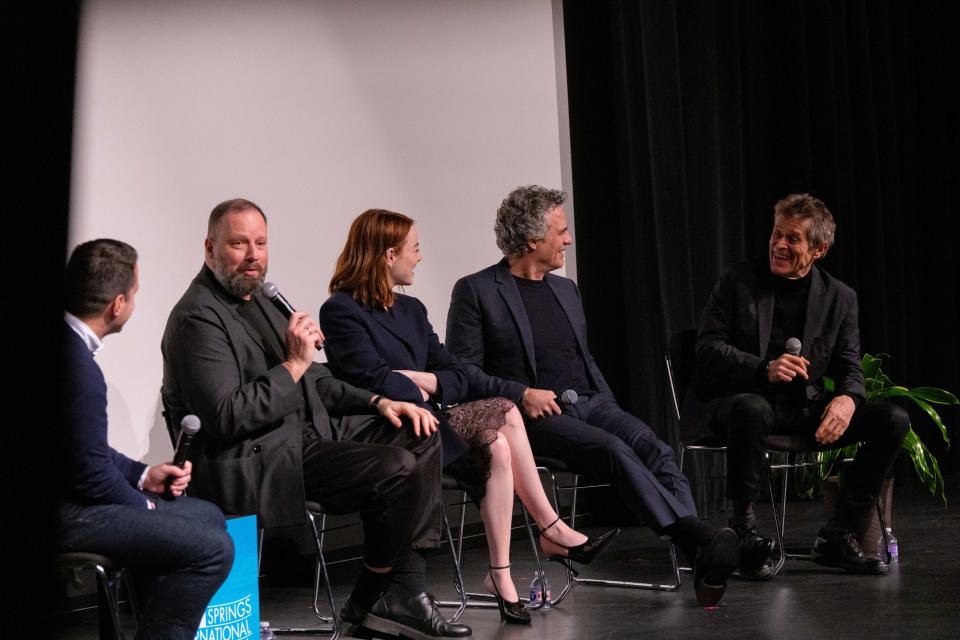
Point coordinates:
[[770, 332]]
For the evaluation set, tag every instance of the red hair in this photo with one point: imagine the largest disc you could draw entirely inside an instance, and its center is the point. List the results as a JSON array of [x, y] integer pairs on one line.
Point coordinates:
[[362, 266]]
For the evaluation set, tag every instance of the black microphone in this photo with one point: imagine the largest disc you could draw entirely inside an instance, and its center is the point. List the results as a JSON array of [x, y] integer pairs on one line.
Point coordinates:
[[567, 398], [793, 346], [189, 427], [282, 304]]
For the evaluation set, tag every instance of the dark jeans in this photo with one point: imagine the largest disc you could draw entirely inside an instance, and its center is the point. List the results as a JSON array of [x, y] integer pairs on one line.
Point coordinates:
[[179, 555], [745, 418], [597, 438], [389, 475]]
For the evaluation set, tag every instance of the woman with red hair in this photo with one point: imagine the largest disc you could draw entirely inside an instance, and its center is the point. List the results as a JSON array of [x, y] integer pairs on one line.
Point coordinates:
[[381, 340]]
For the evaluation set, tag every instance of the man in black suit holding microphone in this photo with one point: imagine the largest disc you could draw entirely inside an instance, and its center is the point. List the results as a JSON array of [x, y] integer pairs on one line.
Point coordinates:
[[770, 332], [279, 429], [177, 548]]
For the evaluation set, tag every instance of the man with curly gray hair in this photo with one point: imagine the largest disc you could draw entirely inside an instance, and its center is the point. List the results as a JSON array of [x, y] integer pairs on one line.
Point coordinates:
[[522, 334]]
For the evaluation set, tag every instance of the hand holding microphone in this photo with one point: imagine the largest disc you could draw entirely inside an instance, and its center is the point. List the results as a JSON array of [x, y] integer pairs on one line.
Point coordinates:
[[790, 365], [170, 479], [303, 335], [283, 305]]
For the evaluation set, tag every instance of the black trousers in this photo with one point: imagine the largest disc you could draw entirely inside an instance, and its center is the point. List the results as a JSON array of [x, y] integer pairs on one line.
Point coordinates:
[[598, 438], [745, 418], [389, 475]]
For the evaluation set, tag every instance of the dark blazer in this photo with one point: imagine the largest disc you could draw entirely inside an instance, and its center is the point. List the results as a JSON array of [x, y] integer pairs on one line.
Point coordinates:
[[364, 345], [735, 332], [93, 472], [215, 365], [488, 330]]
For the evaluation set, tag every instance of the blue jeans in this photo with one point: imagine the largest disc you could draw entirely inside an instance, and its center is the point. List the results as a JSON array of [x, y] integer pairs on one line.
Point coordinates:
[[178, 555], [597, 438]]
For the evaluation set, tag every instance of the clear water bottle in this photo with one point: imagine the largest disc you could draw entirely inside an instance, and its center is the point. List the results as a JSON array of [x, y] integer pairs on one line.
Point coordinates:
[[266, 633], [536, 593], [891, 545]]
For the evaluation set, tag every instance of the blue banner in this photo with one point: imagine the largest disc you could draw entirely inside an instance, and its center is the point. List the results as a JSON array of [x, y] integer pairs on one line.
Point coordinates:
[[234, 610]]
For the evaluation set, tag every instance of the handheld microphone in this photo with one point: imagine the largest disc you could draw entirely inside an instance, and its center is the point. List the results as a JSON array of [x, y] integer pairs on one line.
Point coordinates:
[[567, 398], [189, 427], [793, 346], [282, 304]]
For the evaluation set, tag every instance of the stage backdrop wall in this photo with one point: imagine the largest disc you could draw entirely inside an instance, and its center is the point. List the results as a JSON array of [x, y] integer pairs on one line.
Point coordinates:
[[316, 111]]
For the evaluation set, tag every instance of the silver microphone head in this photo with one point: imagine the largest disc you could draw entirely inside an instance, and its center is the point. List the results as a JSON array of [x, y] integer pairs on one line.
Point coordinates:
[[569, 397], [793, 346], [269, 289], [190, 424]]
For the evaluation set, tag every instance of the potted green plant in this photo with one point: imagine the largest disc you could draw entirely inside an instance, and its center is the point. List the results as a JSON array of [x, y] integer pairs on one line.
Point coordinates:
[[925, 464]]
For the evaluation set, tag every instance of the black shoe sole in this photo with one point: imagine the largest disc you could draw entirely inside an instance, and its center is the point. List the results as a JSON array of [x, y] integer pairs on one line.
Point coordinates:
[[714, 565], [386, 625], [827, 561]]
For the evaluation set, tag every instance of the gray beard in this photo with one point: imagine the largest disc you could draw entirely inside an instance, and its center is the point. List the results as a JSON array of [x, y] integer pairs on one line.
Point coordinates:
[[236, 283]]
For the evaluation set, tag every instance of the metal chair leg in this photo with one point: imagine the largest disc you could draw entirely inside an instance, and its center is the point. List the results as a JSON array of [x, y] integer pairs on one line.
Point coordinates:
[[106, 585], [883, 532], [572, 579], [457, 574]]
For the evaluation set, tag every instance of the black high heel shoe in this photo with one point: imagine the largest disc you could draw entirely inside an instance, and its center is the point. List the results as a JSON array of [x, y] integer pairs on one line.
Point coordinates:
[[582, 553], [510, 612]]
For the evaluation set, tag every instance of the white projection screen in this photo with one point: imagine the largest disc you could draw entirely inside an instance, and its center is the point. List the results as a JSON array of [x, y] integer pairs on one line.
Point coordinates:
[[317, 111]]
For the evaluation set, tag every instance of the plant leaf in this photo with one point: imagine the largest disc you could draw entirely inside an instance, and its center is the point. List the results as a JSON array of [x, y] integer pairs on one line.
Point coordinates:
[[925, 465], [932, 394], [870, 366]]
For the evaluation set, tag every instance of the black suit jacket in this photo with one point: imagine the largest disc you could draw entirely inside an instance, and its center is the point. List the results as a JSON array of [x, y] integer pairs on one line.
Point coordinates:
[[735, 332], [488, 329], [365, 345], [216, 365]]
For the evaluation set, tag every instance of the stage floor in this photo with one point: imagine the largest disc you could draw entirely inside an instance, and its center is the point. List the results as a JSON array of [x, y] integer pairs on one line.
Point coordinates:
[[920, 598]]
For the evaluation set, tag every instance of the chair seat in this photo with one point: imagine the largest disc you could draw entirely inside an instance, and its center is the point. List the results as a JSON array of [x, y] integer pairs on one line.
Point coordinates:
[[773, 442], [315, 508], [710, 441], [792, 444], [449, 483], [554, 464], [79, 559]]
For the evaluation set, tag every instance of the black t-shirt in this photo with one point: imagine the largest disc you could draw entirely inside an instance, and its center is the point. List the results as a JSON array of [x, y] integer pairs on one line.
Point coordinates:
[[560, 365]]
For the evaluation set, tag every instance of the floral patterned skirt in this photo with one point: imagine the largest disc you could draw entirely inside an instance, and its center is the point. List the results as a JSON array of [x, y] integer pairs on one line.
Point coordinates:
[[477, 422]]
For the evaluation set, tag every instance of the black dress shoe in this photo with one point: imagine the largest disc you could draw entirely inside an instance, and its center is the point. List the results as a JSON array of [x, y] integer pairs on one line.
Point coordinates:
[[352, 613], [714, 564], [416, 617], [840, 549], [755, 551], [583, 553], [352, 616]]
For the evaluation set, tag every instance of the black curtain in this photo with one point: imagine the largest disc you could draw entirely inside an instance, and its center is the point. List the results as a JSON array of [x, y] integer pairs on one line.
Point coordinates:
[[39, 53], [690, 119]]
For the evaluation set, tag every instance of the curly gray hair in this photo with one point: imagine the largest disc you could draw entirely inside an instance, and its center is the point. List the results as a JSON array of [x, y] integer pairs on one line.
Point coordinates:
[[521, 216]]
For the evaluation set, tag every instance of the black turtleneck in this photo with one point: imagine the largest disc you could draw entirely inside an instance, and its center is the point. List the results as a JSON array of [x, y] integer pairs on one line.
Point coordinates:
[[789, 311]]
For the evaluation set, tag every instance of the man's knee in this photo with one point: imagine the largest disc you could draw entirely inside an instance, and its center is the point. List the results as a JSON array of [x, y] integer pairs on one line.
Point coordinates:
[[398, 463], [747, 414], [892, 419]]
